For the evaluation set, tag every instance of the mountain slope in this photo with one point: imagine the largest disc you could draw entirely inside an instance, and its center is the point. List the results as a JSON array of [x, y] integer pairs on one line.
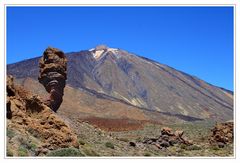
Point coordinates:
[[120, 76]]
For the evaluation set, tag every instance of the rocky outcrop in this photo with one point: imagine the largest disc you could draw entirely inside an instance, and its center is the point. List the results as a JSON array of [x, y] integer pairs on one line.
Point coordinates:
[[222, 134], [53, 67], [168, 138], [28, 118]]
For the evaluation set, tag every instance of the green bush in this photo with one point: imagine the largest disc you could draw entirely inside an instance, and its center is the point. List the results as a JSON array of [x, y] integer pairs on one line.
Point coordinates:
[[34, 132], [22, 140], [183, 146], [90, 152], [10, 133], [31, 146], [81, 142], [193, 147], [27, 144], [65, 152], [215, 148], [22, 151], [9, 153], [123, 139], [147, 154], [139, 139], [109, 145]]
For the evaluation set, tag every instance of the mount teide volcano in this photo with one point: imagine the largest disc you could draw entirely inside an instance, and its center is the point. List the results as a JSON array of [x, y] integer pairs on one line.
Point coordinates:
[[113, 83]]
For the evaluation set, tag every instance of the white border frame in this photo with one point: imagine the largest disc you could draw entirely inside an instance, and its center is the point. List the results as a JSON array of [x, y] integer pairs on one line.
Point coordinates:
[[69, 3]]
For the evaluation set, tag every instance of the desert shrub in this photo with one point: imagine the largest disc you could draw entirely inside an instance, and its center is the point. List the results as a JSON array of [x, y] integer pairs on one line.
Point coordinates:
[[22, 141], [109, 145], [147, 154], [31, 146], [65, 152], [183, 146], [180, 151], [123, 139], [10, 133], [9, 153], [81, 142], [27, 144], [90, 152], [202, 138], [34, 132], [214, 147], [22, 151], [139, 139], [193, 147]]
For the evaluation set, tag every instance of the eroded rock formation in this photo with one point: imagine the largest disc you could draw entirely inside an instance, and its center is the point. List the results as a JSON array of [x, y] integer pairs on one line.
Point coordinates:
[[31, 123], [53, 67], [222, 134]]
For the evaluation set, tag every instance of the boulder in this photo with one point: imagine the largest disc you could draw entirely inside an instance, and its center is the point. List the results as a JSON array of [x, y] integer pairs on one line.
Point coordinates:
[[132, 144], [222, 133], [168, 138], [167, 131]]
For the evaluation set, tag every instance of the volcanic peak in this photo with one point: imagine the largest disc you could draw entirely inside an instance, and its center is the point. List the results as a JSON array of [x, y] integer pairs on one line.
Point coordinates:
[[101, 50]]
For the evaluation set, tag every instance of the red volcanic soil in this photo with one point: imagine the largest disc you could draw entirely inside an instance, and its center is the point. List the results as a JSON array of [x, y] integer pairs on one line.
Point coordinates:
[[116, 124]]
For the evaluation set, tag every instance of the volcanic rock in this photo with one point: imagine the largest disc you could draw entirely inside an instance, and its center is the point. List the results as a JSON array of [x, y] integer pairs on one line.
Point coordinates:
[[31, 119], [53, 67], [222, 133], [133, 144], [167, 138], [164, 144], [167, 131]]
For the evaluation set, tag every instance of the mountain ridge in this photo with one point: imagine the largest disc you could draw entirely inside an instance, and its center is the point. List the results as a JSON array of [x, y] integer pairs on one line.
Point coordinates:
[[138, 81], [75, 52]]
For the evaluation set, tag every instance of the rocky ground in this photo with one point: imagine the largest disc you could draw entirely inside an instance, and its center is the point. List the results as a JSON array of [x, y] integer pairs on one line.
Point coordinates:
[[33, 129], [131, 143], [94, 142]]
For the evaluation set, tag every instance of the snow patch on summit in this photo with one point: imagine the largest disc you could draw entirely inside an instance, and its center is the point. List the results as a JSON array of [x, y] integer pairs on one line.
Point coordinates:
[[101, 51], [98, 54]]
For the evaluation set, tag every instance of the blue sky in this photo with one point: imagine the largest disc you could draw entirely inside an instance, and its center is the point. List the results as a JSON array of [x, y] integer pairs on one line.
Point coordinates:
[[196, 40]]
